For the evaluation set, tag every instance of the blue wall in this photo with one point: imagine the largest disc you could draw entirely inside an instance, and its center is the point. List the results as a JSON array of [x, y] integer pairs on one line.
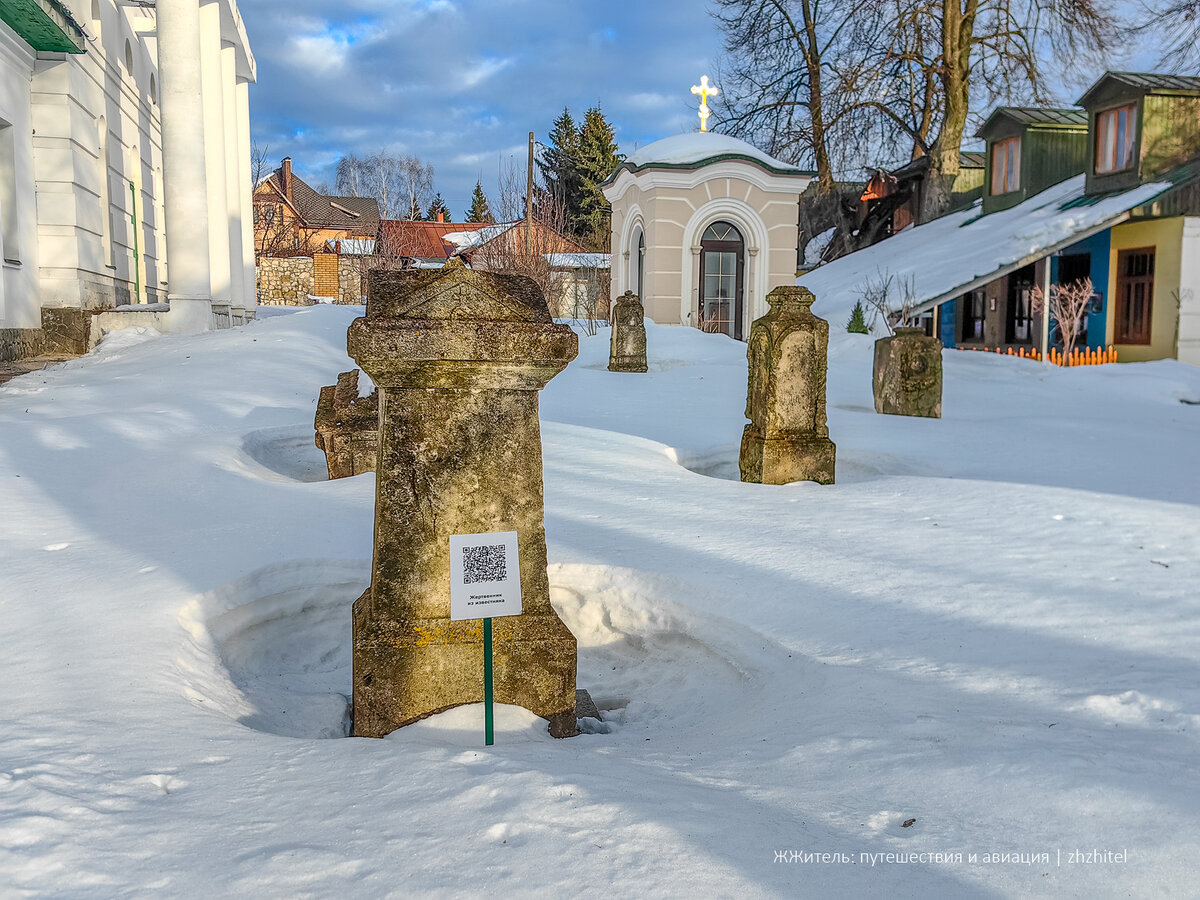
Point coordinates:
[[949, 330], [1098, 246]]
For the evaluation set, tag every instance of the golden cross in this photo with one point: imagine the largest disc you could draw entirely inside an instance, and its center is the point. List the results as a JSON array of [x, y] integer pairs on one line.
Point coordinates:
[[704, 90]]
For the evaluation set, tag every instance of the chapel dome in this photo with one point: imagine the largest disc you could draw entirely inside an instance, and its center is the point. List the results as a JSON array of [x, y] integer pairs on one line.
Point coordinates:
[[691, 151]]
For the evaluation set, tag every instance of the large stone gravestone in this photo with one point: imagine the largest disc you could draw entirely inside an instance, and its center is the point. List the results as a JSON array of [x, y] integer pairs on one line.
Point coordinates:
[[907, 378], [458, 357], [787, 438], [627, 351]]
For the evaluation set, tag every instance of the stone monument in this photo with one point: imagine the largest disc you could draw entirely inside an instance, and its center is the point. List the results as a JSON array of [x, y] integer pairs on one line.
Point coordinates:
[[787, 438], [908, 374], [347, 427], [627, 353], [458, 357]]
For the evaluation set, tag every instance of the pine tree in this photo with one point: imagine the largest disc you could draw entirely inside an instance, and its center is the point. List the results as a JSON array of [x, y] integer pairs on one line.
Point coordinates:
[[858, 321], [598, 158], [480, 211], [436, 206], [559, 164]]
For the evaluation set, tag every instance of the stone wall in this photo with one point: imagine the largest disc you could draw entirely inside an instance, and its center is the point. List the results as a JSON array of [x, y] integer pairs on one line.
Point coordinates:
[[294, 280], [352, 286], [287, 280]]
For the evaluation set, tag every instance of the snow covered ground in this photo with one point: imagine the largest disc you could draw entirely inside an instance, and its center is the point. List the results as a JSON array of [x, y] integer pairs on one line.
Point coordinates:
[[989, 625]]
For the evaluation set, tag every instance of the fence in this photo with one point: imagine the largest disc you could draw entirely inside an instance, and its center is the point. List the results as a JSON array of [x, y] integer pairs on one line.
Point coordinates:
[[1086, 356]]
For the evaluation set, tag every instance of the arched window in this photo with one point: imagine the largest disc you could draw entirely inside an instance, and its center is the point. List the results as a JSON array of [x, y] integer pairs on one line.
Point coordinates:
[[722, 264], [153, 89], [637, 266], [128, 57]]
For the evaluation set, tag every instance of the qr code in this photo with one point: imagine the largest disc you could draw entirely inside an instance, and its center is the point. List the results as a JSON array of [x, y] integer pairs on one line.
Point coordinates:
[[484, 563]]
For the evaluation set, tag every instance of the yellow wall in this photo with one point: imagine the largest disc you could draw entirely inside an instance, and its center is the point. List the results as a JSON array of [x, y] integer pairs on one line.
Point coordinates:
[[1166, 237]]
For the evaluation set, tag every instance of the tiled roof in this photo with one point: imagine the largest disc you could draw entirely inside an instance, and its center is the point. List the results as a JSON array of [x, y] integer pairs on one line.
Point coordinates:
[[360, 214], [421, 240]]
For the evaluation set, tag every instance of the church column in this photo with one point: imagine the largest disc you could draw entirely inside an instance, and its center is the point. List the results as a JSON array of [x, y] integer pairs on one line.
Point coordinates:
[[185, 180], [233, 181], [214, 156], [246, 199]]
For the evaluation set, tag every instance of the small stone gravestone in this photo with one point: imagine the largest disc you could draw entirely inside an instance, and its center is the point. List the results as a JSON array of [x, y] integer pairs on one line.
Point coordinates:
[[347, 427], [458, 357], [627, 352], [908, 374], [787, 438]]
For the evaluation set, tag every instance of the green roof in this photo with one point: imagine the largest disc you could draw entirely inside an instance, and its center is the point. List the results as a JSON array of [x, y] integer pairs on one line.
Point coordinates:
[[43, 25]]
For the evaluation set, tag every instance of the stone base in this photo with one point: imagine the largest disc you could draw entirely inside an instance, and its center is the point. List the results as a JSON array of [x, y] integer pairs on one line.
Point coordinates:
[[405, 671], [627, 364], [782, 460]]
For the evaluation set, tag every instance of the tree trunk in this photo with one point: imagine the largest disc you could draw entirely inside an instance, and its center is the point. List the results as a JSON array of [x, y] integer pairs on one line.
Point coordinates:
[[958, 26]]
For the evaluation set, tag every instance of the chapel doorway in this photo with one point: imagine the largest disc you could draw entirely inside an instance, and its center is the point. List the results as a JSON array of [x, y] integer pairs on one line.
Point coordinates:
[[722, 255]]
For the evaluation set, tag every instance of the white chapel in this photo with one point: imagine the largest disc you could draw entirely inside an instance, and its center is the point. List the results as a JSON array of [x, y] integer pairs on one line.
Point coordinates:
[[703, 227]]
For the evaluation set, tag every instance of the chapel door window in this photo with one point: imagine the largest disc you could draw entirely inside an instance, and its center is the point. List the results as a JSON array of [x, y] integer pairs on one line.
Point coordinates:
[[721, 291]]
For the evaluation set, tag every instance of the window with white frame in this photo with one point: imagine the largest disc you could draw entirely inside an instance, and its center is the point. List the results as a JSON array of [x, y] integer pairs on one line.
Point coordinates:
[[1006, 165], [1116, 130]]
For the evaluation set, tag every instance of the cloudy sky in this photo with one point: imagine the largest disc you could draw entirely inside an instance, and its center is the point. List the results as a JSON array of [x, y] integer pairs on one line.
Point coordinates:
[[461, 83]]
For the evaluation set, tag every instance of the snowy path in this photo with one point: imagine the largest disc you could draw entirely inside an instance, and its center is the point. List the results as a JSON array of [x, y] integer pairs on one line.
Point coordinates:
[[990, 624]]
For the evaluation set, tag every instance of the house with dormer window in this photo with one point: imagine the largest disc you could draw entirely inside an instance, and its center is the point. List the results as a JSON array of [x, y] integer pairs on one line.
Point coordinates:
[[1109, 191]]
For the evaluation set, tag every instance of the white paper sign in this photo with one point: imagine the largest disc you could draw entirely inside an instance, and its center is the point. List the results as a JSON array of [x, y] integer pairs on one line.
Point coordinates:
[[485, 576]]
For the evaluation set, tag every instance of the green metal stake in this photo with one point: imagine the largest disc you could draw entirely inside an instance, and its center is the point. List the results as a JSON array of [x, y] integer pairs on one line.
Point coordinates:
[[488, 735]]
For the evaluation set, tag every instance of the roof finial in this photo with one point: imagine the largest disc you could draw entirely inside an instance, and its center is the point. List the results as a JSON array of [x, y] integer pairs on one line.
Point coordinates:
[[704, 90]]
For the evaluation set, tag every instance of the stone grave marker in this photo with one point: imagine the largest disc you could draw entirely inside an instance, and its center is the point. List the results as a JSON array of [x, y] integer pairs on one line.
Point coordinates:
[[907, 377], [787, 438], [627, 352], [347, 427], [458, 357]]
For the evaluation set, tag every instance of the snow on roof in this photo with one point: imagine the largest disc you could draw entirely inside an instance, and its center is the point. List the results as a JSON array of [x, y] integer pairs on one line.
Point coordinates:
[[698, 147], [579, 260], [464, 240], [947, 257]]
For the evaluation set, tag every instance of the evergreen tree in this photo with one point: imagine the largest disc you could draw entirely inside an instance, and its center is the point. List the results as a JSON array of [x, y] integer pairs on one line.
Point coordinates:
[[559, 164], [598, 158], [480, 211], [436, 206], [858, 321]]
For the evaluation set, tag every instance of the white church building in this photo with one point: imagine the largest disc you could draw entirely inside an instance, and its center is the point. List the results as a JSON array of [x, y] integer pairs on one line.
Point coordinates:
[[124, 168], [704, 226]]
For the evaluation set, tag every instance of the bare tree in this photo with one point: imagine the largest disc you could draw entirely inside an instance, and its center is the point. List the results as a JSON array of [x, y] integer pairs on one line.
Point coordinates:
[[1068, 306], [805, 76], [400, 184], [1175, 24]]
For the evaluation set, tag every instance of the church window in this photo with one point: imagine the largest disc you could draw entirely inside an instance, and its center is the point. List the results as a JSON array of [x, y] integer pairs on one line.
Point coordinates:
[[9, 238], [721, 280]]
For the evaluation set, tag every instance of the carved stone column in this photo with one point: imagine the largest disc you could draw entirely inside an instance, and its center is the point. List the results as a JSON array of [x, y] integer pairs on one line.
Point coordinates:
[[908, 374], [787, 438], [627, 352], [458, 357]]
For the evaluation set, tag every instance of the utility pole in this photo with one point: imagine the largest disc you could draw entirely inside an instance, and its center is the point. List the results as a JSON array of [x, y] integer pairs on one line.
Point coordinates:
[[529, 201]]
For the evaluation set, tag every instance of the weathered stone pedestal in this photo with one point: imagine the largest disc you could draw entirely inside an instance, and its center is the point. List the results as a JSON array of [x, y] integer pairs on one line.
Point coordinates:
[[458, 358], [787, 438], [908, 374], [627, 353], [347, 427]]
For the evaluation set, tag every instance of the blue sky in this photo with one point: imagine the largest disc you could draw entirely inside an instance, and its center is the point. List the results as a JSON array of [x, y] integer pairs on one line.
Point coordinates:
[[461, 83]]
